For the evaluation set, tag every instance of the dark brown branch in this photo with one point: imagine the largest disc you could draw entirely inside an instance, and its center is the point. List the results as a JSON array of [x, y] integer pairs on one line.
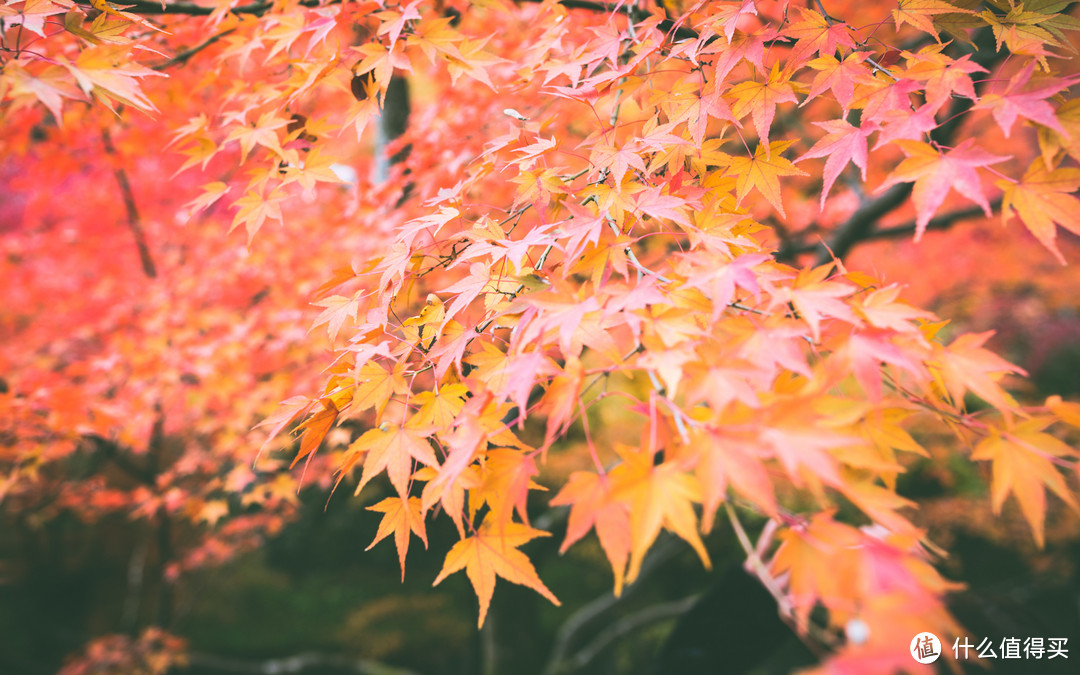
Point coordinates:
[[295, 664], [185, 55], [147, 7], [942, 222], [862, 223], [133, 218]]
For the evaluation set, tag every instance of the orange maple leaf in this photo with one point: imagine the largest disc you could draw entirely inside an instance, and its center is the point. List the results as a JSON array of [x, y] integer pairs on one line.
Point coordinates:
[[401, 518], [660, 496], [492, 552], [315, 429], [392, 448], [763, 171], [589, 497], [1043, 198], [1023, 466], [374, 387]]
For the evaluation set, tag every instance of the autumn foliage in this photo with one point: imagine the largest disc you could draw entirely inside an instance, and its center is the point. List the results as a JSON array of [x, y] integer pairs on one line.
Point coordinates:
[[606, 275]]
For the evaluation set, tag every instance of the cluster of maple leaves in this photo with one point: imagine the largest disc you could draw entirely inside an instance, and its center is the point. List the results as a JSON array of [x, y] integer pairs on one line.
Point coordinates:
[[584, 230]]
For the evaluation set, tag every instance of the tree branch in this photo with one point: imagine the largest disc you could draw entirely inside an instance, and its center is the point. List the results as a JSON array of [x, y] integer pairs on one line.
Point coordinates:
[[295, 664], [183, 56], [147, 7], [595, 608], [942, 222], [134, 220], [625, 625], [861, 223]]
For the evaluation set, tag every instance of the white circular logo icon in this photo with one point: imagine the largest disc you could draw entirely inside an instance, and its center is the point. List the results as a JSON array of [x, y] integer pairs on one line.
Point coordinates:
[[925, 648]]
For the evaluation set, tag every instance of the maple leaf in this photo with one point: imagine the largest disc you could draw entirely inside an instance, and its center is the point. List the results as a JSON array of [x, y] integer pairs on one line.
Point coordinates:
[[467, 440], [1051, 142], [838, 76], [819, 563], [402, 518], [506, 478], [729, 461], [1041, 199], [920, 13], [760, 100], [213, 511], [727, 16], [653, 204], [815, 298], [591, 506], [102, 29], [743, 46], [287, 412], [1018, 100], [660, 496], [934, 173], [255, 209], [842, 144], [490, 553], [315, 167], [374, 387], [393, 449], [337, 309], [942, 76], [561, 399], [211, 193], [868, 350], [763, 171], [882, 309], [262, 132], [438, 409], [315, 429], [104, 72], [815, 33], [1023, 466], [967, 366], [50, 87], [394, 22], [617, 159]]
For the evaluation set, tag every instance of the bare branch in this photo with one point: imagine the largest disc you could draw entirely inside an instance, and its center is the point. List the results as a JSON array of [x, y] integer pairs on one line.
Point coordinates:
[[295, 664], [595, 608], [183, 56], [942, 222], [133, 217], [628, 624]]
